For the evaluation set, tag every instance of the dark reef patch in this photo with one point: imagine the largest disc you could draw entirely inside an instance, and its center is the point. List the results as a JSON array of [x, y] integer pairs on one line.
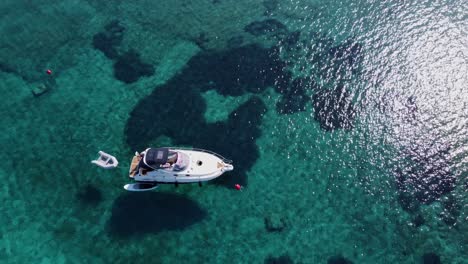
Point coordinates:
[[283, 259], [238, 143], [89, 195], [236, 71], [331, 60], [129, 68], [347, 51], [334, 108], [109, 40], [336, 65], [431, 258], [314, 56], [338, 260], [295, 96], [152, 212], [176, 108], [424, 176], [336, 62], [6, 69]]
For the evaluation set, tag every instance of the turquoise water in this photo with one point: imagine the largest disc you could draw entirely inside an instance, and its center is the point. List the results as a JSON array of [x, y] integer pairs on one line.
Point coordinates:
[[346, 121]]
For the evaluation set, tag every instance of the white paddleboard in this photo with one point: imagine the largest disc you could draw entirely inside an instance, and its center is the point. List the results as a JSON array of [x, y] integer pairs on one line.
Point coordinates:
[[140, 187]]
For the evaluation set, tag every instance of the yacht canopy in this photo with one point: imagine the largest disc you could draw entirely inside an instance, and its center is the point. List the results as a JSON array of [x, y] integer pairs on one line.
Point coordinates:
[[155, 157]]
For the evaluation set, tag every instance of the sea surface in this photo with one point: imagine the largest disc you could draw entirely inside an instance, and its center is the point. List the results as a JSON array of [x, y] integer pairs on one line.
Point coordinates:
[[347, 122]]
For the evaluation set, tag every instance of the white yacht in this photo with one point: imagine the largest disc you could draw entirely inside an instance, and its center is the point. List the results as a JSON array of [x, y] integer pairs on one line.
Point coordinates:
[[175, 165]]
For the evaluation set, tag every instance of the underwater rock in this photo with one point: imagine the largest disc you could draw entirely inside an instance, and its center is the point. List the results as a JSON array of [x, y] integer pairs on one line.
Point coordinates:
[[45, 86], [327, 60], [283, 259], [39, 90], [341, 60], [234, 72], [270, 27], [338, 260], [129, 68], [89, 195], [347, 51], [431, 258], [425, 176], [294, 97], [333, 109], [110, 39], [275, 223]]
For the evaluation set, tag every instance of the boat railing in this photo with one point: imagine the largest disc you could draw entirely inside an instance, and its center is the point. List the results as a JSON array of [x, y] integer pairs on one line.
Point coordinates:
[[228, 161]]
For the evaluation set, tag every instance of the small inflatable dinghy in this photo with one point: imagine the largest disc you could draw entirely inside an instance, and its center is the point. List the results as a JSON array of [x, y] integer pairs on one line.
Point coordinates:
[[105, 161]]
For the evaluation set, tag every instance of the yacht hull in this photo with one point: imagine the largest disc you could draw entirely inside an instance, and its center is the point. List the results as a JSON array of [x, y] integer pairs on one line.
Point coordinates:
[[200, 166]]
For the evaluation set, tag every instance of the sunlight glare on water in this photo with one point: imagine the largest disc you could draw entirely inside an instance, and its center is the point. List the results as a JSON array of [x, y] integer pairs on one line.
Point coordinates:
[[409, 92], [347, 122]]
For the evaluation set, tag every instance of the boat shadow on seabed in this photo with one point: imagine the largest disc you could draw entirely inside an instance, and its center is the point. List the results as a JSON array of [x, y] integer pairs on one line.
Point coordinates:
[[152, 212]]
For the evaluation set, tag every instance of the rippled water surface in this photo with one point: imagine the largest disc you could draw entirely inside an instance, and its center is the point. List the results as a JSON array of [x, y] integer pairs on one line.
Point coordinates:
[[347, 122]]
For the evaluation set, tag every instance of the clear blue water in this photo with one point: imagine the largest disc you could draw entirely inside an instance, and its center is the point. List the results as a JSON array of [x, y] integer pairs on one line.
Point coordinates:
[[346, 122]]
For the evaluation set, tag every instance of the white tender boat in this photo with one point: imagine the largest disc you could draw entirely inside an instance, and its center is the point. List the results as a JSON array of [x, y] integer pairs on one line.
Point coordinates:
[[175, 165], [105, 161]]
